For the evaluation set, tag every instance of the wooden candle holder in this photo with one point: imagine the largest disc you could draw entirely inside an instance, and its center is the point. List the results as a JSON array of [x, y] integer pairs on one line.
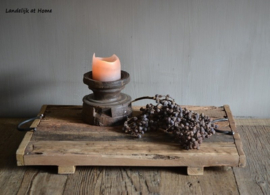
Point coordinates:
[[106, 106]]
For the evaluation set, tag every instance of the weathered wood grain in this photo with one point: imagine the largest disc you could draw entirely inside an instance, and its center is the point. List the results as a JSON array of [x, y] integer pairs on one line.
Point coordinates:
[[141, 180], [252, 122], [195, 170], [42, 180], [21, 150], [66, 129], [236, 135], [255, 177], [125, 154], [63, 139], [215, 180], [66, 169], [54, 134], [10, 174]]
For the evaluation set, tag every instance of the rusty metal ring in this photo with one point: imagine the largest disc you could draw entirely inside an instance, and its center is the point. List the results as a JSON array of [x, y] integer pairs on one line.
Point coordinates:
[[220, 131], [27, 121]]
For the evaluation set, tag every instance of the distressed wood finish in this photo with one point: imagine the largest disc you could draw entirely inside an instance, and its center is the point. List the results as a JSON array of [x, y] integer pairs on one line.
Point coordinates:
[[66, 169], [21, 150], [238, 142], [253, 179], [63, 140], [195, 170]]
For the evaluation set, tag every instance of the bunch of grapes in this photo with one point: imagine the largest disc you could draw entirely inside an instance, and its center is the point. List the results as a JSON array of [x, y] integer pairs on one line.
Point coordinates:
[[189, 128]]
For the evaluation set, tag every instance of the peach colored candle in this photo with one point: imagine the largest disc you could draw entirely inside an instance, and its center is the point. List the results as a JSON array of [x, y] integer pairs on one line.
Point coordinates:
[[106, 69]]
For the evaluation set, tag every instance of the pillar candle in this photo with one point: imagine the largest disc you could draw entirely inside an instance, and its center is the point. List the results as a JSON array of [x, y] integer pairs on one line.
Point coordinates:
[[106, 69]]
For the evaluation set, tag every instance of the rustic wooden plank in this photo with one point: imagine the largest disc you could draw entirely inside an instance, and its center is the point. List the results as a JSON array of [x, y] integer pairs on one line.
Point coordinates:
[[66, 169], [158, 136], [155, 161], [60, 119], [62, 113], [21, 150], [104, 180], [195, 170], [124, 154], [42, 180], [55, 125], [84, 132], [215, 180], [100, 136], [64, 140], [10, 174], [149, 180], [71, 115], [252, 122], [255, 177], [123, 147], [238, 142], [64, 124]]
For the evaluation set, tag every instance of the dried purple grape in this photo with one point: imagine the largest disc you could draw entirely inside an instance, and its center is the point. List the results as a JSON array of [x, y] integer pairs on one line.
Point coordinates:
[[188, 127]]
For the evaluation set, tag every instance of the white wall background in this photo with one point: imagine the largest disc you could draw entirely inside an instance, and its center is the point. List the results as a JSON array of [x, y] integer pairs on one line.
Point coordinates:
[[201, 52]]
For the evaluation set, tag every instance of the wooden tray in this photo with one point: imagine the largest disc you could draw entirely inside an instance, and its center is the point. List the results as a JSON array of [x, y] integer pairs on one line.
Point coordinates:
[[63, 140]]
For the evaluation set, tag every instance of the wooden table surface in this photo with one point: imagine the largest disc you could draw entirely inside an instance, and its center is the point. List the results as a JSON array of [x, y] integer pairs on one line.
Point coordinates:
[[253, 179]]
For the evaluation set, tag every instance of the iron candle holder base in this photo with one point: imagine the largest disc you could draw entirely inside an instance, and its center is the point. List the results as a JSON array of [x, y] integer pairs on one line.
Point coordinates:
[[106, 106]]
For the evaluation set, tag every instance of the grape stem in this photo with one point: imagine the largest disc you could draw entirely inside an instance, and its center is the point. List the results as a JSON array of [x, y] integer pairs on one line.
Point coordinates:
[[156, 97], [143, 98]]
